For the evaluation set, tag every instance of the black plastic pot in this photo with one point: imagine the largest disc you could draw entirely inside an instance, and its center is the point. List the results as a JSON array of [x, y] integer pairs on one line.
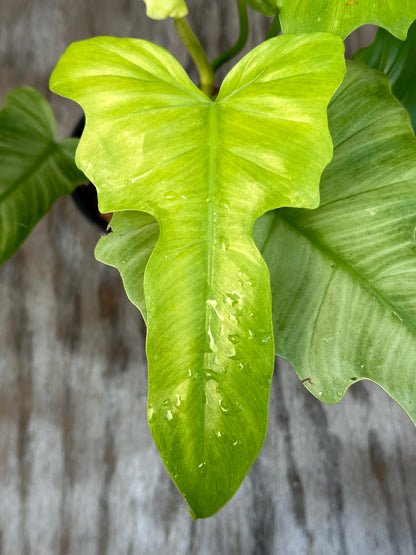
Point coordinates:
[[85, 196]]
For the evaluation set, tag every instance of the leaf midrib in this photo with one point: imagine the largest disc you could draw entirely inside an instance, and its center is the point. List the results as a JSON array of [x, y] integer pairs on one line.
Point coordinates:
[[211, 189], [35, 167], [342, 265]]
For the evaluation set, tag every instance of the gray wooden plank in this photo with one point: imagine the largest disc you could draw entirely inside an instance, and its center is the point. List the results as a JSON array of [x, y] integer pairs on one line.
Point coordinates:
[[79, 473]]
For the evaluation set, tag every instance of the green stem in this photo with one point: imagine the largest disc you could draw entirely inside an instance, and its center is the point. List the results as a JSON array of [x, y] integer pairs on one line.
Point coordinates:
[[242, 39], [187, 36], [275, 27]]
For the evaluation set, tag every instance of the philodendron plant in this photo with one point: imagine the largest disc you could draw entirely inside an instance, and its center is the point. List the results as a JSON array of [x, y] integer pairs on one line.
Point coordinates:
[[312, 156]]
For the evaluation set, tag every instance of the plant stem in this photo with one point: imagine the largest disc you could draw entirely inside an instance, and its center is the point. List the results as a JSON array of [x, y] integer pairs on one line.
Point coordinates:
[[275, 27], [242, 39], [192, 44]]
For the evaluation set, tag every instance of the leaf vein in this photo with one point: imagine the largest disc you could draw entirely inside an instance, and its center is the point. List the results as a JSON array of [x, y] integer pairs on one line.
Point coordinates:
[[342, 264]]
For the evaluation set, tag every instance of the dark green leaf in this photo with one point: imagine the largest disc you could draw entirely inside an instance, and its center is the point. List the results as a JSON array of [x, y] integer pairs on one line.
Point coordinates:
[[344, 275], [34, 169], [396, 59]]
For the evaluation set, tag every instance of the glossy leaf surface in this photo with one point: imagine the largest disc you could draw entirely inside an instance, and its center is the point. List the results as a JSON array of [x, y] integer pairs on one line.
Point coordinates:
[[344, 276], [34, 169], [301, 256], [396, 59], [341, 17], [206, 170]]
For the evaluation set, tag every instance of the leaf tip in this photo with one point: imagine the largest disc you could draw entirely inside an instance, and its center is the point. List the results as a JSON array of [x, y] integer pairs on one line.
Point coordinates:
[[191, 514]]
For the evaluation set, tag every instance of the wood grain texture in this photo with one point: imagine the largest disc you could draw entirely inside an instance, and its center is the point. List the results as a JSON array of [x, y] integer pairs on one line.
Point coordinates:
[[79, 473]]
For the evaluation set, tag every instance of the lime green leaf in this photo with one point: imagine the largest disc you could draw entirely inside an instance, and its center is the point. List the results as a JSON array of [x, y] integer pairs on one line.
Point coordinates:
[[206, 170], [128, 248], [396, 59], [367, 238], [266, 7], [344, 275], [34, 170], [161, 9], [341, 17]]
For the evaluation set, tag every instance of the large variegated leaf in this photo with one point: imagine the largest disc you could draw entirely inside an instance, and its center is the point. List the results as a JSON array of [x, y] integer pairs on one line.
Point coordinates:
[[34, 169], [396, 59], [301, 257], [206, 170], [344, 275], [341, 17]]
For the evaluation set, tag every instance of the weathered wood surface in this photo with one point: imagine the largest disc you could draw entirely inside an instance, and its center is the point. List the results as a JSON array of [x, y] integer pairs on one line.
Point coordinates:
[[79, 473]]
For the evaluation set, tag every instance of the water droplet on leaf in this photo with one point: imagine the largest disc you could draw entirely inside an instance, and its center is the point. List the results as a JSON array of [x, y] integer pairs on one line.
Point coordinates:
[[212, 346], [234, 338], [233, 319], [202, 468], [264, 336], [222, 407], [171, 195], [398, 316], [231, 352], [212, 304]]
